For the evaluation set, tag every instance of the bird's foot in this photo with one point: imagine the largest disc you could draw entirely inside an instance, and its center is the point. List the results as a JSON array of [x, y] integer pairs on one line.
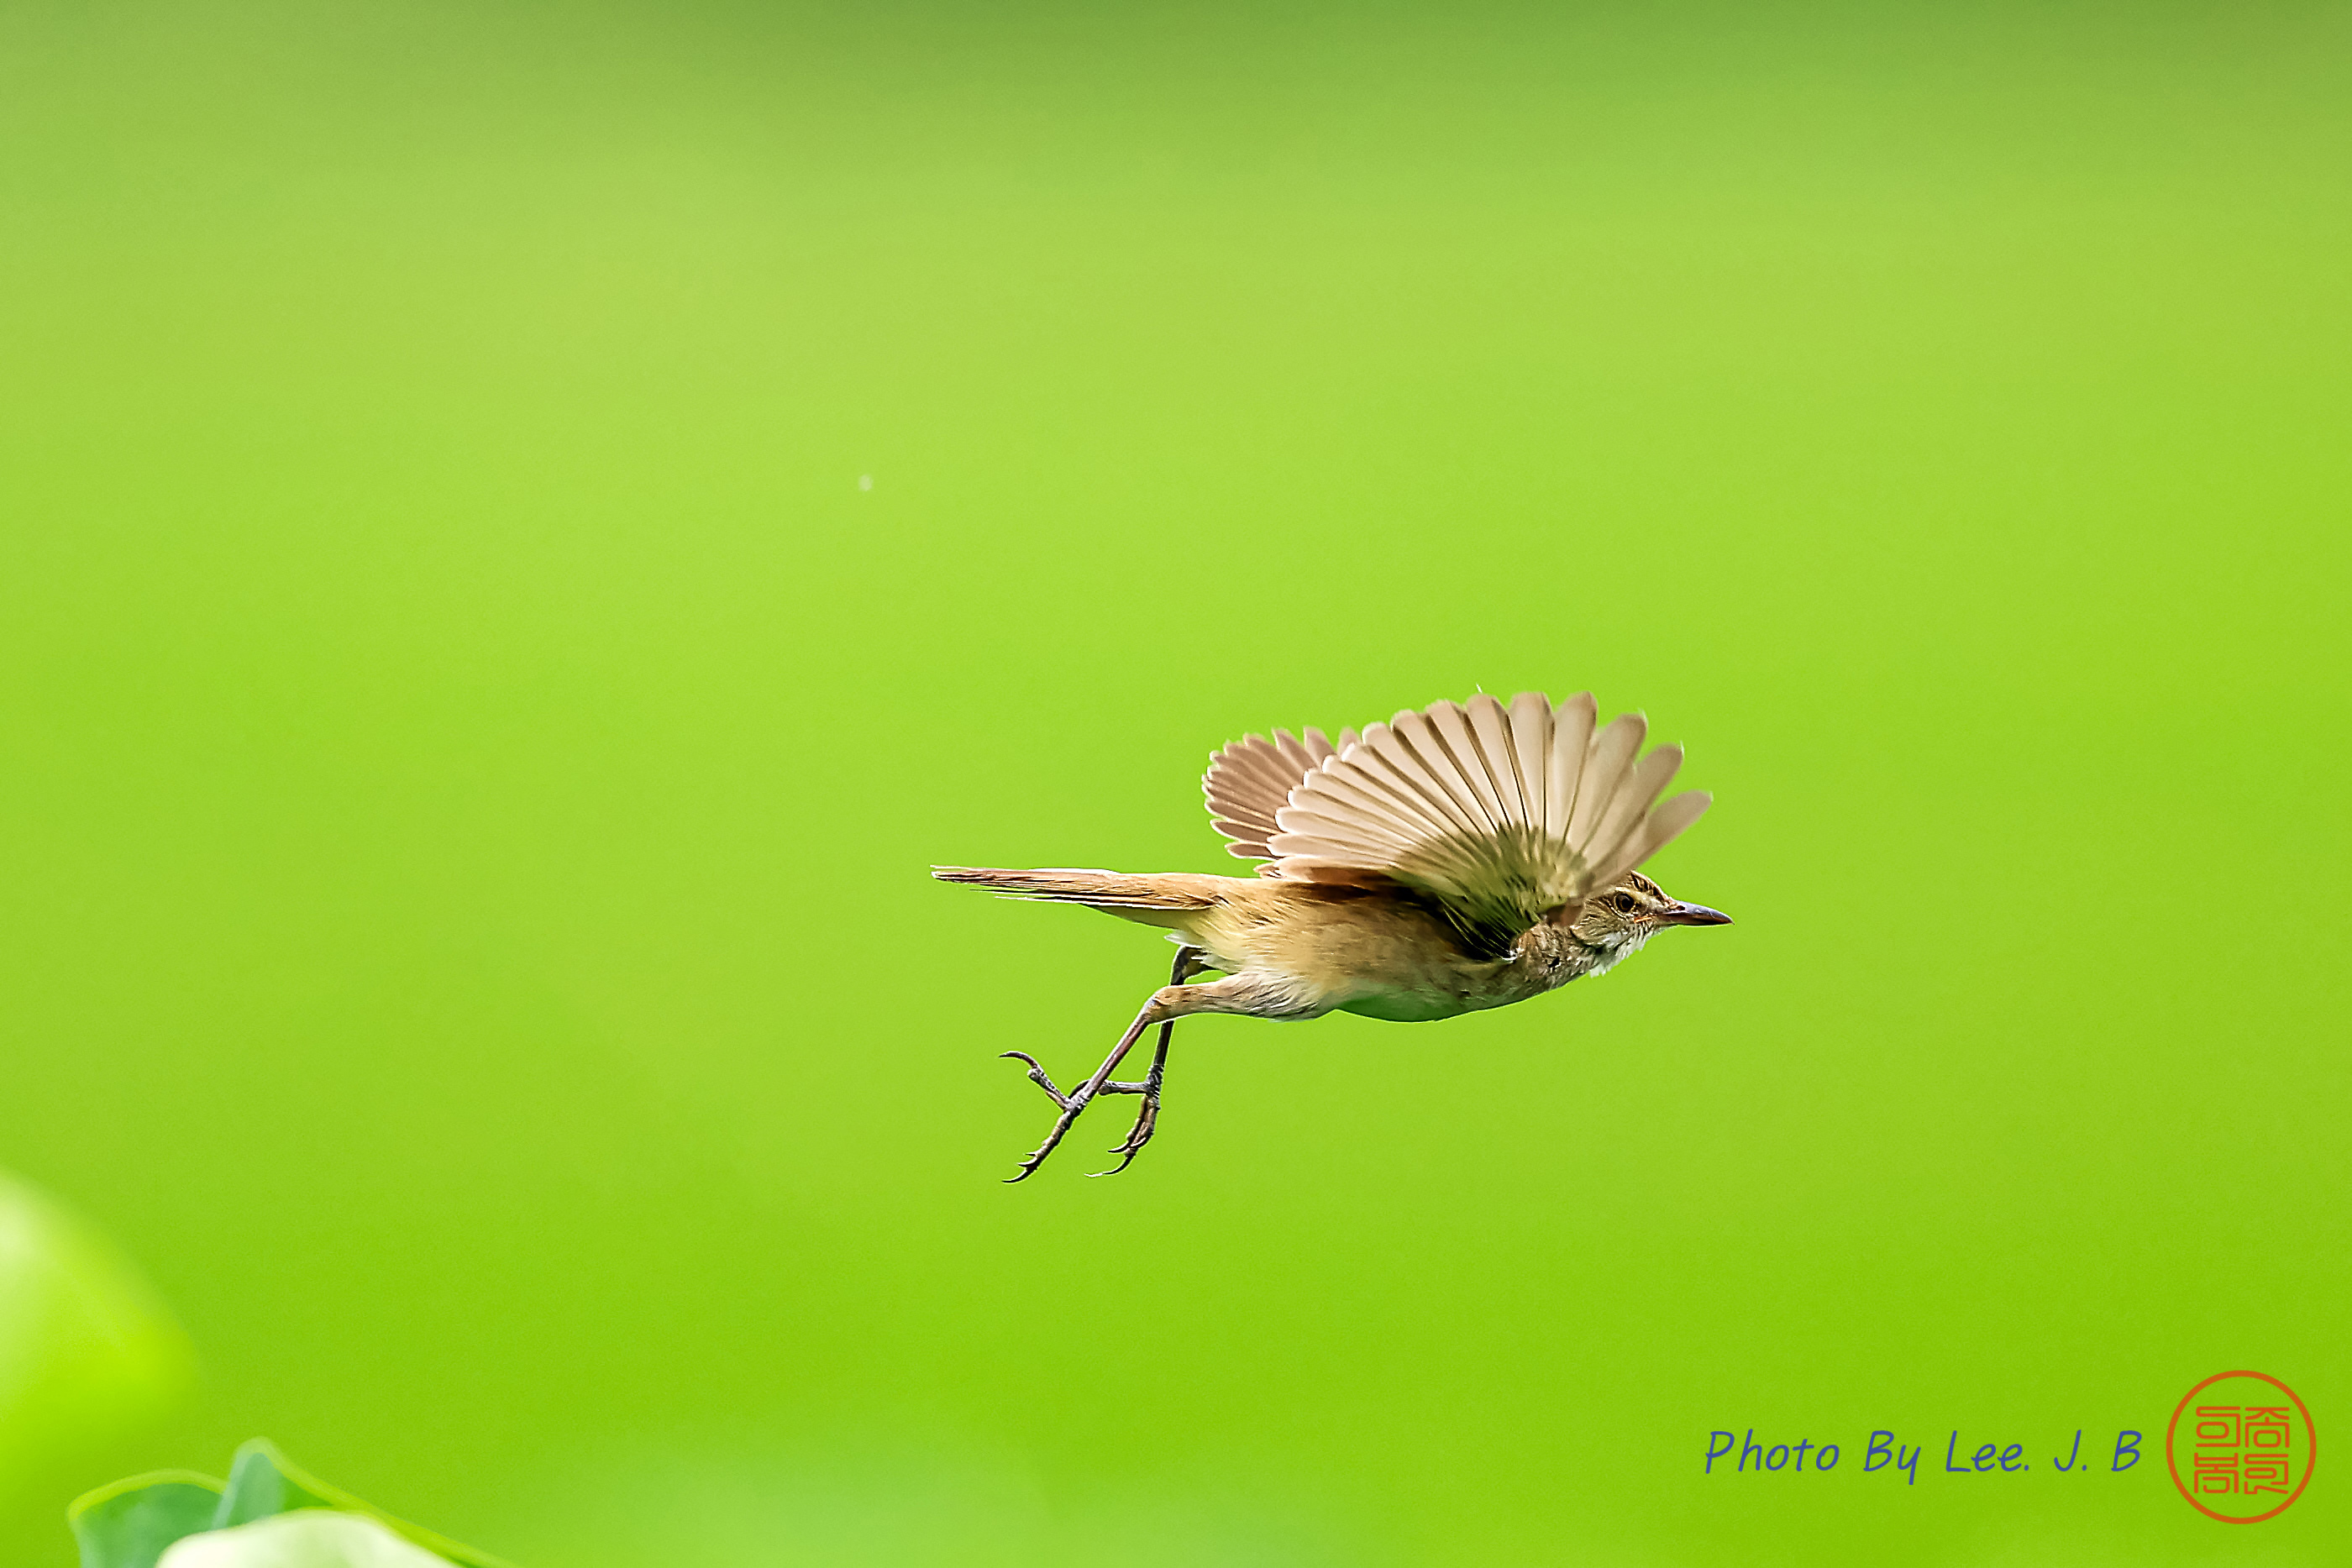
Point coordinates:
[[1139, 1134], [1146, 1120], [1041, 1078], [1158, 1010], [1071, 1105]]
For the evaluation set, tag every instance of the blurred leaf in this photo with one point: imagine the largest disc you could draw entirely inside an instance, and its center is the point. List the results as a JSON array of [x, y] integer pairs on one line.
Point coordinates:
[[135, 1524], [88, 1355], [263, 1483], [311, 1538], [129, 1525]]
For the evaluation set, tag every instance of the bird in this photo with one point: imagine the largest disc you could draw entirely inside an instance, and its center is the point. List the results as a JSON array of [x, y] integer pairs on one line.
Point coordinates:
[[1457, 858]]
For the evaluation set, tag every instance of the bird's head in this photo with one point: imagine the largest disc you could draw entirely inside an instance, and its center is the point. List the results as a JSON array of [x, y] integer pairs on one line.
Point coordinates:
[[1619, 921]]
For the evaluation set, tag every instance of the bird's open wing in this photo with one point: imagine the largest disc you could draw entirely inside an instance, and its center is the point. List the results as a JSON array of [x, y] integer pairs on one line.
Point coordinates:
[[1248, 781], [1503, 814]]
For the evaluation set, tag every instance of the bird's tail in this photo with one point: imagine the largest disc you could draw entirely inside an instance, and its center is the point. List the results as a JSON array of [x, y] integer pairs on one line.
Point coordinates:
[[1144, 898]]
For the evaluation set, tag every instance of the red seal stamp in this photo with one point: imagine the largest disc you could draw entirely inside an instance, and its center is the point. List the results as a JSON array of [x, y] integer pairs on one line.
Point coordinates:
[[2241, 1447]]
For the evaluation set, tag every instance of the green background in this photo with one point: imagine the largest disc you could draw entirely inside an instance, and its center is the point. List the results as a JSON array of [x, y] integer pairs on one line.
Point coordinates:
[[470, 749]]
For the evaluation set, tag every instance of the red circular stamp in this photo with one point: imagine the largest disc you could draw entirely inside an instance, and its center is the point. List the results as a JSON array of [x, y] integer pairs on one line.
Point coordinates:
[[2241, 1447]]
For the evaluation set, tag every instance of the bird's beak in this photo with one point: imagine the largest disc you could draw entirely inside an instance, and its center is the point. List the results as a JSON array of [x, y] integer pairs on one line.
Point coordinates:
[[1693, 915]]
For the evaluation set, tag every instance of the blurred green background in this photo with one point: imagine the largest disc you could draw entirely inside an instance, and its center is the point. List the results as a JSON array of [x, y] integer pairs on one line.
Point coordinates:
[[470, 747]]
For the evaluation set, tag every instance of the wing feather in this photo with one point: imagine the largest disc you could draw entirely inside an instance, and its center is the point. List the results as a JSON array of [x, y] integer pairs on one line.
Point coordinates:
[[1381, 809], [1571, 738], [1493, 724], [1248, 781], [1490, 728], [1664, 825], [1442, 781], [1450, 727], [1409, 782], [1530, 721], [1644, 782], [1611, 754], [1506, 815], [1353, 829]]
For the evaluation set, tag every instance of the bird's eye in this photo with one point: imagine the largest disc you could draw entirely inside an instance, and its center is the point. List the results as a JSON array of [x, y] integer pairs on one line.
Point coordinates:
[[1623, 903]]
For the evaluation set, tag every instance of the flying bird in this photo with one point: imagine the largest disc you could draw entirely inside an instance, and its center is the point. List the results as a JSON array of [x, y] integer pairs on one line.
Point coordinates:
[[1464, 857]]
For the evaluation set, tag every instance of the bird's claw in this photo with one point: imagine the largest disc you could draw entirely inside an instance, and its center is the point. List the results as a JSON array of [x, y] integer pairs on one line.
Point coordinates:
[[1147, 1122], [1041, 1078], [1071, 1105]]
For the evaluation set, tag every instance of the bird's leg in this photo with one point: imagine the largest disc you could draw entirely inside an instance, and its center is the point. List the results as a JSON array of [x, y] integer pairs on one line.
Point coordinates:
[[1190, 961], [1168, 1003], [1072, 1104]]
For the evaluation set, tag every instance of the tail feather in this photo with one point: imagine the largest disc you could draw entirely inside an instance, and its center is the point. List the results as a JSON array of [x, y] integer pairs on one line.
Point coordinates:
[[1097, 889]]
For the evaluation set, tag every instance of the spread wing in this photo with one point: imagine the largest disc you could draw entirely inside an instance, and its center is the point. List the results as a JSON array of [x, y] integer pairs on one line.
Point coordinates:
[[1502, 815], [1248, 781]]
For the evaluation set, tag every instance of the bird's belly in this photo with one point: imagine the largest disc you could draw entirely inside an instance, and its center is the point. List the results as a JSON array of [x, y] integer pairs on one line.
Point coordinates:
[[1374, 958], [1414, 1005]]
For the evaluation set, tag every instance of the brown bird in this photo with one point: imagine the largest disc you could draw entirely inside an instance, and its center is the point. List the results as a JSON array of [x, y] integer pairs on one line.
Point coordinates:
[[1461, 858]]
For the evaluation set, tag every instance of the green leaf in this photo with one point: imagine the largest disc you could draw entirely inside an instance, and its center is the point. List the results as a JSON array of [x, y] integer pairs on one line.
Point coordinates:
[[263, 1483], [128, 1525]]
